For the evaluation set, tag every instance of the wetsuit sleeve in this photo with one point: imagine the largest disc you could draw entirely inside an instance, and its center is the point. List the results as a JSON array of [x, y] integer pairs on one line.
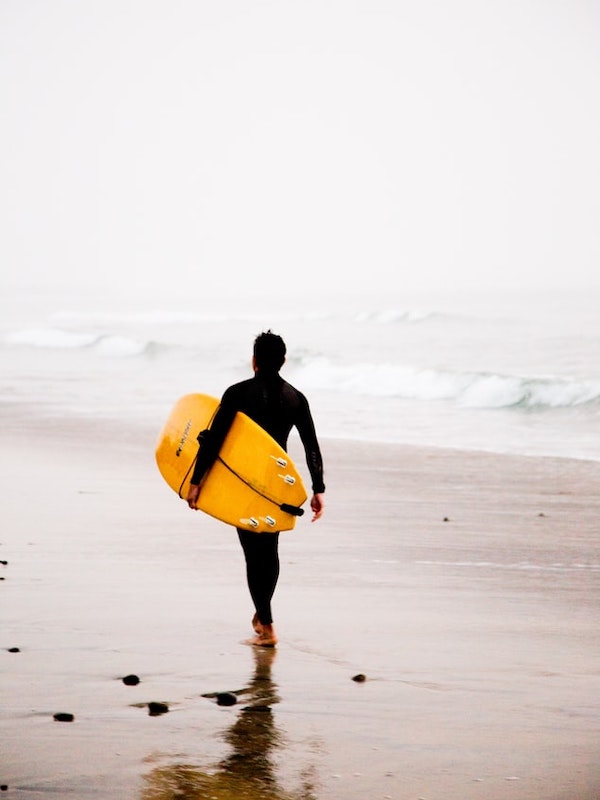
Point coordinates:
[[214, 437], [308, 436]]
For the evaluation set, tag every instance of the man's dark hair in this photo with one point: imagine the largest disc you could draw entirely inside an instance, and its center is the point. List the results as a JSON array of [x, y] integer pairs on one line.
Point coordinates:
[[269, 352]]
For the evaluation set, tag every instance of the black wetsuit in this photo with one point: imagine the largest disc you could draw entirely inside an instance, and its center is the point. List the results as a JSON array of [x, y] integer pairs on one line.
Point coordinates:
[[277, 407]]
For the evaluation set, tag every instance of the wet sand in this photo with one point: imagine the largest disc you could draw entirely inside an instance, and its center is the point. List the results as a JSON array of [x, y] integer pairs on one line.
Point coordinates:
[[463, 586]]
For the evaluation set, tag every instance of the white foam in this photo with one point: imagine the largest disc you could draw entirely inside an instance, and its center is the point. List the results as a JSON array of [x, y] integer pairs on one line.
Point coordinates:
[[52, 338], [120, 346], [57, 339], [467, 389]]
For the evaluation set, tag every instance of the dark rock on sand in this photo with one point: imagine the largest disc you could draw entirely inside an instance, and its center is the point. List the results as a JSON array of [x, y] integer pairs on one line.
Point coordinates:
[[14, 650], [226, 699], [360, 678], [131, 680], [155, 709], [62, 717]]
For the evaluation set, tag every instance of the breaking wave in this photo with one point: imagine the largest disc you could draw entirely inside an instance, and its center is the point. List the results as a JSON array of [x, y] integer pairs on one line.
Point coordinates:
[[468, 389], [58, 339]]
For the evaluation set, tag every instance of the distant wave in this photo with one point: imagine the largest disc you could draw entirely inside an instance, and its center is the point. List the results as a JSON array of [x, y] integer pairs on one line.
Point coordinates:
[[393, 316], [165, 318], [58, 339], [254, 312], [461, 388], [468, 389]]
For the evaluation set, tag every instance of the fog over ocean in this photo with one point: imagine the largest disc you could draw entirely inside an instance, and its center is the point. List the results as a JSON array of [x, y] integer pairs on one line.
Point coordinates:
[[407, 192]]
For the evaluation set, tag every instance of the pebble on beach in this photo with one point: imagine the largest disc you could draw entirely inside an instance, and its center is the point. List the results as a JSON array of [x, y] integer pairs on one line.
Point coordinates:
[[61, 716], [131, 680], [155, 709], [360, 678], [226, 699]]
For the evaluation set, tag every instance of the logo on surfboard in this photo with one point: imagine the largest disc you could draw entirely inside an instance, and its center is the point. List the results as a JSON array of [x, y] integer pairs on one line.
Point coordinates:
[[182, 441]]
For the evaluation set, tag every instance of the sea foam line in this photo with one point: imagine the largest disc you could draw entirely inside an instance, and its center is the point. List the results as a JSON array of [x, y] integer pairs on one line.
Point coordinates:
[[521, 565]]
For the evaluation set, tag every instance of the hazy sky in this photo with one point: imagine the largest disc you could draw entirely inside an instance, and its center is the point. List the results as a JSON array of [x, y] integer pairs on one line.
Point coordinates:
[[254, 143]]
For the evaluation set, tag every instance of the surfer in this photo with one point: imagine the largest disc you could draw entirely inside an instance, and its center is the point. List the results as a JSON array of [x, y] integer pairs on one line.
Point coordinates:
[[277, 407]]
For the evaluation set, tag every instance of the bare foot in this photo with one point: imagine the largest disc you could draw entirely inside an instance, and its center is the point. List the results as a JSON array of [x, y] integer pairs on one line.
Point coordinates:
[[257, 624], [266, 638]]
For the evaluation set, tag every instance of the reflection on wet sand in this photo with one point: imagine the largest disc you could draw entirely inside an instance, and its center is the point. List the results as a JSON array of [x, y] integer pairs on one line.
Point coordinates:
[[249, 770]]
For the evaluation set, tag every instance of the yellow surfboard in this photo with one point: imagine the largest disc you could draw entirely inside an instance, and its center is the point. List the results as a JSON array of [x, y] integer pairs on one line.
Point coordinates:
[[253, 484]]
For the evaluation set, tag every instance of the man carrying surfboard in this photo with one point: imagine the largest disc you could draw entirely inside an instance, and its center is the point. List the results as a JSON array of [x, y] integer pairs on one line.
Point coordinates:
[[277, 407]]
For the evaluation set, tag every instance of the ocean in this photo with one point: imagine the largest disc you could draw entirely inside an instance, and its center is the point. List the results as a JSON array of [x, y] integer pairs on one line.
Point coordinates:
[[506, 373]]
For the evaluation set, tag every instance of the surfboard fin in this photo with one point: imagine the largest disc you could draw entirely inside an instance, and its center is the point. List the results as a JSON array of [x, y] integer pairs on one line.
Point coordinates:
[[296, 511]]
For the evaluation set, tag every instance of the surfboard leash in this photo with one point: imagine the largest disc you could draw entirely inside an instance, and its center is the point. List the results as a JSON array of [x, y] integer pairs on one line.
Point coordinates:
[[295, 511]]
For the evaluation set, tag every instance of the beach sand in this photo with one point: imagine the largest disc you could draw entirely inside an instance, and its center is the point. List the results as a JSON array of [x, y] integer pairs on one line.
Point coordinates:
[[463, 586]]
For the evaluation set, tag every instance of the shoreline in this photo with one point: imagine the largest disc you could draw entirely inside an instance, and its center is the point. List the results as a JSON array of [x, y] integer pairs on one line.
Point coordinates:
[[23, 417], [463, 585]]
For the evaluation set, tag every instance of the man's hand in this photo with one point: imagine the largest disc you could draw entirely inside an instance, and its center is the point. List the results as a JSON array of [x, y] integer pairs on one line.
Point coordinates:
[[193, 494], [317, 504]]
